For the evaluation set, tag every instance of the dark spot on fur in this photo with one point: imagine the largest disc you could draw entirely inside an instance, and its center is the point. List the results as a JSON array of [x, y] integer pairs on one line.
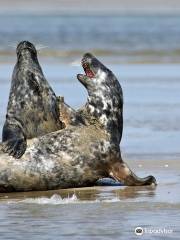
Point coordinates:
[[22, 103], [33, 83], [106, 112]]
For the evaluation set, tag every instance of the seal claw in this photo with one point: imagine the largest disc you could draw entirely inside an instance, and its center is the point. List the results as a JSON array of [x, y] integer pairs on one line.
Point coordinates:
[[15, 147]]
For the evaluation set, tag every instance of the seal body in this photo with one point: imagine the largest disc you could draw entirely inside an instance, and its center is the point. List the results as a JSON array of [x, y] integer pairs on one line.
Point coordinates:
[[72, 157], [77, 156], [32, 108]]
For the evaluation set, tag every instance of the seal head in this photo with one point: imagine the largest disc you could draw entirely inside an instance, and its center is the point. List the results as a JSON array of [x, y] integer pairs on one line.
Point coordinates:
[[105, 96]]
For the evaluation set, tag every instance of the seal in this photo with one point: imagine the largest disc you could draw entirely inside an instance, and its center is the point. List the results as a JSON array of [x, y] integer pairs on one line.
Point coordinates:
[[68, 115], [33, 107], [77, 156]]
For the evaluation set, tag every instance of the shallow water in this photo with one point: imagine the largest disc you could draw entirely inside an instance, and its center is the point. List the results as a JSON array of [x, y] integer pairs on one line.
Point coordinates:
[[93, 213], [131, 46], [151, 104], [119, 38]]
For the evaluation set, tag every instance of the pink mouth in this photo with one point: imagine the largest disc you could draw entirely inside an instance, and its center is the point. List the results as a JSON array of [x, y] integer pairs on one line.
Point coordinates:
[[88, 71]]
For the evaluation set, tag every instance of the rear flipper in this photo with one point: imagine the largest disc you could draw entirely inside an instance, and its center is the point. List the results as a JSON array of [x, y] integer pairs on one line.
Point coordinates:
[[121, 172], [14, 141]]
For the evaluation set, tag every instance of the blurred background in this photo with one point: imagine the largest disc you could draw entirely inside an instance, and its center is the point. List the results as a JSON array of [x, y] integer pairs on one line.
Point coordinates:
[[138, 40]]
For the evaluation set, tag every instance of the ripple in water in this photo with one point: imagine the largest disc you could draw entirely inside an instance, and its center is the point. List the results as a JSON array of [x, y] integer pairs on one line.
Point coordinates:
[[56, 199]]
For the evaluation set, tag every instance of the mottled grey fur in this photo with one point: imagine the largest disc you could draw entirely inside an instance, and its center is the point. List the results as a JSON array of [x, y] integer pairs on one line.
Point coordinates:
[[32, 108], [78, 155]]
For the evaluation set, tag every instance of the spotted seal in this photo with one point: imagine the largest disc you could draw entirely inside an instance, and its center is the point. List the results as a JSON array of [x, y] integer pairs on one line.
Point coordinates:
[[77, 156], [33, 107]]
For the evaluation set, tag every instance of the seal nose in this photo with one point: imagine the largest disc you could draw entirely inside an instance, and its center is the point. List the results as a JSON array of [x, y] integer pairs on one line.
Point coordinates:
[[25, 45], [88, 56]]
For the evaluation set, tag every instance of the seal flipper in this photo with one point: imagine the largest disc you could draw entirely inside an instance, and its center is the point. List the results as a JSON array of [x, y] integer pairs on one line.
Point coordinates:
[[121, 172], [14, 141], [68, 116]]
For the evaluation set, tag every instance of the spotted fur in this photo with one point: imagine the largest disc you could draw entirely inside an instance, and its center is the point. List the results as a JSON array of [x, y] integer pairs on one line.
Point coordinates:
[[105, 97], [32, 108], [77, 156]]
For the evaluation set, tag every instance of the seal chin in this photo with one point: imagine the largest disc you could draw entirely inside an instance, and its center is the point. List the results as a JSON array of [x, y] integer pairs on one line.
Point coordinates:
[[25, 45], [85, 80], [80, 77]]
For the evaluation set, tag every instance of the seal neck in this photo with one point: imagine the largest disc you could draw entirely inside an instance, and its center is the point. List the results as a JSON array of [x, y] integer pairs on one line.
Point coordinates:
[[109, 114]]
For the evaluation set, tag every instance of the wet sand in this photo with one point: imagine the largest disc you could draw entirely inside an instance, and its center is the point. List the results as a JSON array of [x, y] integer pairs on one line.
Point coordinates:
[[99, 212], [166, 173]]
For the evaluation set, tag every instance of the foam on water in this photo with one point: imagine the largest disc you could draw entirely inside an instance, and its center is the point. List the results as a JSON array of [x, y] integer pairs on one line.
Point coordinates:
[[53, 200], [56, 199]]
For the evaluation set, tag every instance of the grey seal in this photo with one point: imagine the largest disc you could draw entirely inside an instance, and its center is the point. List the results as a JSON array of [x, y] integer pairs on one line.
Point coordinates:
[[77, 156], [32, 107]]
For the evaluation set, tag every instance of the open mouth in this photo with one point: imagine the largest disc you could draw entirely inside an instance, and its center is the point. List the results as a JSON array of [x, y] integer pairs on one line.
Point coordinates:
[[86, 66]]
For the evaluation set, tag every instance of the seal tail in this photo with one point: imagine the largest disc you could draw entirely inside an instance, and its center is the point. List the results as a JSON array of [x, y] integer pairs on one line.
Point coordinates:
[[121, 172]]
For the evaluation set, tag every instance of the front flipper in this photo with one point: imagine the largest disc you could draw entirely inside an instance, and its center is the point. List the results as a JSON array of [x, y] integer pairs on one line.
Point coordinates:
[[14, 141], [121, 172]]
